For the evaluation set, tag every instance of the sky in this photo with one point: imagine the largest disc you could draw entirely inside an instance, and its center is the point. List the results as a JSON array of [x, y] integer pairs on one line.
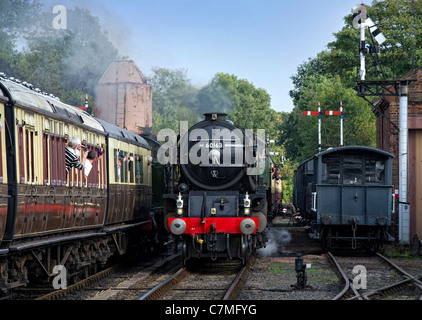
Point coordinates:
[[262, 41]]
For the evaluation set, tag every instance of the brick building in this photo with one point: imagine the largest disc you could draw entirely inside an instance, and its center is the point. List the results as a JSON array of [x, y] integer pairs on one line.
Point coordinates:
[[124, 97], [388, 140]]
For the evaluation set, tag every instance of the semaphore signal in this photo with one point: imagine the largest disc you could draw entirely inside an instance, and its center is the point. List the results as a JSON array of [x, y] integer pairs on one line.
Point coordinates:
[[341, 114], [328, 113]]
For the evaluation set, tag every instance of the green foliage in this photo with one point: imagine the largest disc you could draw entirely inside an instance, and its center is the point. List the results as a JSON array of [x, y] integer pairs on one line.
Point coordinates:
[[16, 18], [174, 99], [300, 133], [331, 76], [250, 105], [65, 62]]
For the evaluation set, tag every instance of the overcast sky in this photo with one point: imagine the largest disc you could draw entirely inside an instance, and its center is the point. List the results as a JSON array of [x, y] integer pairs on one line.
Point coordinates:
[[262, 41]]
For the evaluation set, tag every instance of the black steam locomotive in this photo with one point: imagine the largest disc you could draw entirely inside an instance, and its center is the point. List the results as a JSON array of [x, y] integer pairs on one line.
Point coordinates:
[[219, 191], [345, 195]]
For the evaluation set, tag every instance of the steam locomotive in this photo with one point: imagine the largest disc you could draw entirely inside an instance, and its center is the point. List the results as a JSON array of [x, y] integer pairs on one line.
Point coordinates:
[[344, 195], [219, 196], [48, 218]]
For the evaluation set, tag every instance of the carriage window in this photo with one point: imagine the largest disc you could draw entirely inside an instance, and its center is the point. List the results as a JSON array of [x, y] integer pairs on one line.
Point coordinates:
[[117, 166], [331, 169], [124, 171], [45, 157], [30, 174], [374, 171], [352, 169], [139, 170]]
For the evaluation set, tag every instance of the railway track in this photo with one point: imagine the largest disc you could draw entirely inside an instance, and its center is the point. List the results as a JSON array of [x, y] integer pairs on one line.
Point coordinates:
[[102, 285], [367, 279], [221, 281]]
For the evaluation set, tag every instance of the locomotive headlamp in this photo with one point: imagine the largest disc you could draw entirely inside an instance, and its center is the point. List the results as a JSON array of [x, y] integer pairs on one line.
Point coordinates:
[[247, 204], [179, 202], [246, 201]]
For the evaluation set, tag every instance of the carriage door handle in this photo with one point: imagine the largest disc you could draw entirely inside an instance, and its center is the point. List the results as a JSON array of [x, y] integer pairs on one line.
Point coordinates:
[[356, 197]]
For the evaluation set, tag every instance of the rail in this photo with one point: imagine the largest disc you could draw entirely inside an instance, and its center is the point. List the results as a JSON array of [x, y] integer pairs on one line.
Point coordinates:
[[159, 290], [346, 280], [238, 283], [416, 280], [232, 292], [60, 294]]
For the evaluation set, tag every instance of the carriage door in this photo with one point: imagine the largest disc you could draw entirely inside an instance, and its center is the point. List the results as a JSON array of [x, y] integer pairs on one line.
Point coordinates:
[[354, 193]]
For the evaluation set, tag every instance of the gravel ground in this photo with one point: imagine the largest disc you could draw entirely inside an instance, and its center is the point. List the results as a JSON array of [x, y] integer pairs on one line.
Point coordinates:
[[272, 278]]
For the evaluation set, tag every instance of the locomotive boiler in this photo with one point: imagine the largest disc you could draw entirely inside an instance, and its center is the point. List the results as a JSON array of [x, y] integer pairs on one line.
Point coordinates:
[[219, 191]]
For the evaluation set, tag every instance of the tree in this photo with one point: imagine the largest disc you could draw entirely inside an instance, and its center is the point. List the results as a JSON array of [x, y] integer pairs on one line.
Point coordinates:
[[400, 22], [174, 99], [16, 18], [247, 106], [66, 62], [300, 132], [331, 76]]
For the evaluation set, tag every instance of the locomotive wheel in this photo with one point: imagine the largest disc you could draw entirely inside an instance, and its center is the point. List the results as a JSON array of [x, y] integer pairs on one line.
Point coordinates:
[[245, 248], [262, 220], [377, 241], [166, 219], [185, 252], [325, 239]]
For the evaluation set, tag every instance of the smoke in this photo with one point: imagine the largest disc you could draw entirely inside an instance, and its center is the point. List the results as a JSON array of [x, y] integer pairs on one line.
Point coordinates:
[[278, 240]]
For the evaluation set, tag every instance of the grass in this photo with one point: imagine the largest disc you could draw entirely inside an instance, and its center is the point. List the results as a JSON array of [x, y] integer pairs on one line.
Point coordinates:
[[398, 251], [316, 274]]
